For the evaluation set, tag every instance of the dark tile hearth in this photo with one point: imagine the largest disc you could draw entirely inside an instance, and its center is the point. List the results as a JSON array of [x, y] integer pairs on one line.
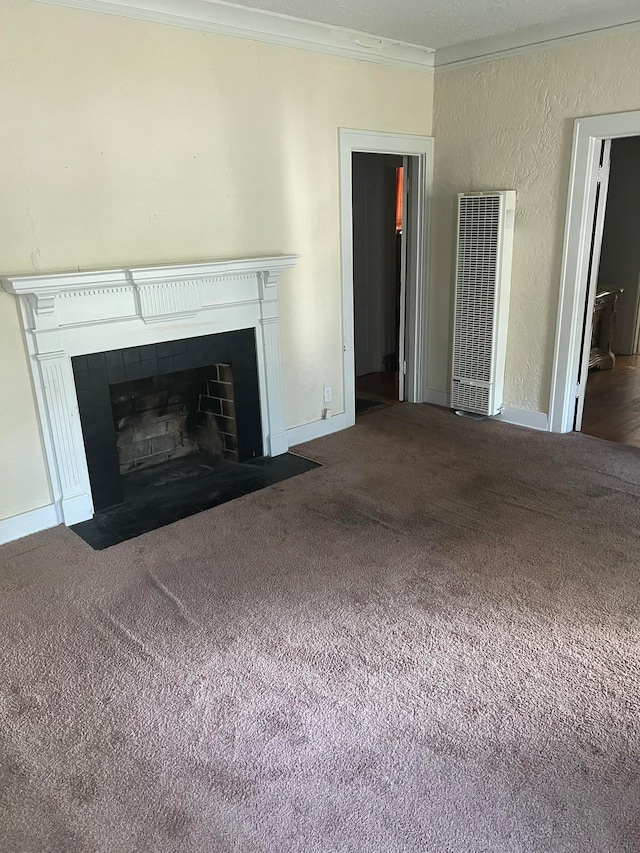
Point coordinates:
[[190, 485]]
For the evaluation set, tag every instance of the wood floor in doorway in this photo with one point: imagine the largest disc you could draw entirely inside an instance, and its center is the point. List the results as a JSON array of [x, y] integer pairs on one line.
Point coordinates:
[[612, 402], [381, 387]]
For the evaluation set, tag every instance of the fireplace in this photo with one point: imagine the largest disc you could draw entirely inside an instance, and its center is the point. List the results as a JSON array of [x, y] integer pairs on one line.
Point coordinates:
[[92, 336], [143, 406]]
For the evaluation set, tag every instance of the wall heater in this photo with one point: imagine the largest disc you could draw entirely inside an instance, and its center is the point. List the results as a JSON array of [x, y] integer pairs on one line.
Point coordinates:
[[483, 277]]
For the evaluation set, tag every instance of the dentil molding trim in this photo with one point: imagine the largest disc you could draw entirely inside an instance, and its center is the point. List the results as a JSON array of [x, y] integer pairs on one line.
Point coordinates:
[[69, 314], [228, 19]]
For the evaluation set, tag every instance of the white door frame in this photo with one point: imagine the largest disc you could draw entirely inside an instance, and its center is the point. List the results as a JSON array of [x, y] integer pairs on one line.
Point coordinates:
[[407, 213], [583, 179], [421, 147], [636, 323], [595, 254]]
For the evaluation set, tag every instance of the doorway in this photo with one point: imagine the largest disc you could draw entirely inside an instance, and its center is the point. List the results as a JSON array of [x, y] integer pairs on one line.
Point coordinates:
[[580, 332], [379, 278], [404, 347], [611, 407]]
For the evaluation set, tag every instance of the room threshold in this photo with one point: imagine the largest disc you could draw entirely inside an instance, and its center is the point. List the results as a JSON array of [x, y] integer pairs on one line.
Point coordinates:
[[157, 496]]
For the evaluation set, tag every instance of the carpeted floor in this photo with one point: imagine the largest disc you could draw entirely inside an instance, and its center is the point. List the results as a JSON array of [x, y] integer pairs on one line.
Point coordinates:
[[428, 645]]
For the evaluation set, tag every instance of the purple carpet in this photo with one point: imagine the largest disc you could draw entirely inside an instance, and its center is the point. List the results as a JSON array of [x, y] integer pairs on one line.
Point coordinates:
[[428, 645]]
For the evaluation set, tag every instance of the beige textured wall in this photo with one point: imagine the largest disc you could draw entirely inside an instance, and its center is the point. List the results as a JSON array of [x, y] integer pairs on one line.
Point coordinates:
[[508, 124], [126, 142]]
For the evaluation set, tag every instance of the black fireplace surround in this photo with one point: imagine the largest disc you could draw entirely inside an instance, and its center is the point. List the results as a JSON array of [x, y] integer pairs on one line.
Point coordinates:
[[94, 374]]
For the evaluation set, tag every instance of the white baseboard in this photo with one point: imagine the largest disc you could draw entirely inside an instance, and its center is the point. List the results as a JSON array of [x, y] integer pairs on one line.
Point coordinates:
[[525, 418], [28, 522], [437, 398], [278, 443], [316, 429], [509, 415]]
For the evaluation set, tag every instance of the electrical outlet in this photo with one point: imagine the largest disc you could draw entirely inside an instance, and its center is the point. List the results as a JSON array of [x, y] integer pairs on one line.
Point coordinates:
[[327, 393]]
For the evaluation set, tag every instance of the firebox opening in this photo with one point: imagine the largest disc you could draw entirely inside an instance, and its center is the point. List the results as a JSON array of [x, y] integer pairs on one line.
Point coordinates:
[[203, 394], [160, 418]]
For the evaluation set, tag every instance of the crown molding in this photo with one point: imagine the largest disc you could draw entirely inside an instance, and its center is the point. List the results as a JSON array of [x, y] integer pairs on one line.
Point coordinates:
[[219, 16], [537, 38], [216, 16]]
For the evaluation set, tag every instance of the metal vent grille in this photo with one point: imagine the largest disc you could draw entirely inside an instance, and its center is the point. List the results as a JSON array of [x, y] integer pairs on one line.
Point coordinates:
[[478, 237], [470, 398]]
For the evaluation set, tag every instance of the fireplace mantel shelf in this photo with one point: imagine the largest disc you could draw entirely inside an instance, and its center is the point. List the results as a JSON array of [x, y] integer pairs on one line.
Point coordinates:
[[78, 313], [162, 292], [97, 279]]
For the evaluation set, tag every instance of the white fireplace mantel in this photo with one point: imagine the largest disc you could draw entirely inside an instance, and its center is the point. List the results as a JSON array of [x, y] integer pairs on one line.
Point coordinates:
[[69, 314]]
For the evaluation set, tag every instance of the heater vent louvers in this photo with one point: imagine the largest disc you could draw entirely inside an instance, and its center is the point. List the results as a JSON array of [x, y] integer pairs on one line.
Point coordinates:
[[483, 270], [470, 398]]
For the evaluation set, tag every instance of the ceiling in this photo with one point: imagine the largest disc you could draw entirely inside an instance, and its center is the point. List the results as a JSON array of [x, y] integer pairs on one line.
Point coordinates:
[[440, 23]]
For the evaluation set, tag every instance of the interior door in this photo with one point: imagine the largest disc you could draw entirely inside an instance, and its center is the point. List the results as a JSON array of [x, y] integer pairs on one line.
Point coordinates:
[[362, 312], [602, 178], [404, 243], [369, 262], [375, 261]]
